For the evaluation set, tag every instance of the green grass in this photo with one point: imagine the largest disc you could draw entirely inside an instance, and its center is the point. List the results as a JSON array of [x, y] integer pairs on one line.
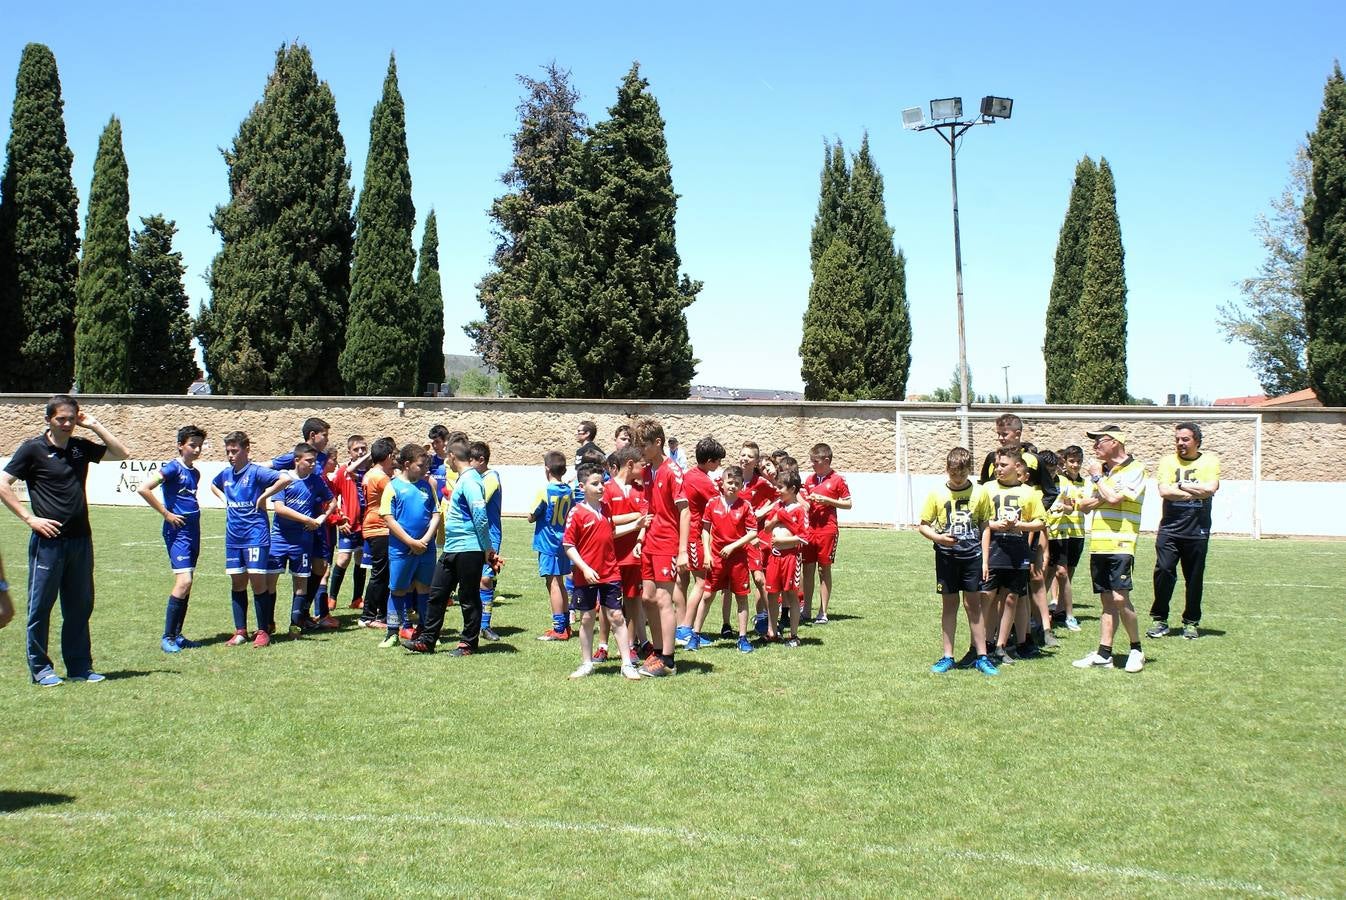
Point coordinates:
[[324, 766]]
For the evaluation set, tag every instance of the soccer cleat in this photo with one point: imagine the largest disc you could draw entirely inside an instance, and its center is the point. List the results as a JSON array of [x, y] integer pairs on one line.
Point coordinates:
[[985, 666], [759, 624], [692, 643], [942, 665], [792, 642], [328, 623], [51, 679], [683, 636], [745, 646], [585, 670], [420, 645], [261, 638], [378, 623], [820, 619], [1072, 623], [168, 645], [968, 659], [727, 632], [185, 644], [1050, 640], [489, 634], [239, 639], [654, 668], [630, 672], [1189, 631], [462, 650], [407, 632], [1001, 656], [1157, 630], [357, 603], [601, 655], [89, 677], [389, 641], [1135, 661], [705, 640], [551, 634], [1094, 660]]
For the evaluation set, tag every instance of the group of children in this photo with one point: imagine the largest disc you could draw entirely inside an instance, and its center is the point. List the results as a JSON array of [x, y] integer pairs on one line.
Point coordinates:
[[633, 546]]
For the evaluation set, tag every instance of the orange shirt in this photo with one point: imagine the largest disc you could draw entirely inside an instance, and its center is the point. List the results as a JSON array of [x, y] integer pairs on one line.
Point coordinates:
[[376, 480]]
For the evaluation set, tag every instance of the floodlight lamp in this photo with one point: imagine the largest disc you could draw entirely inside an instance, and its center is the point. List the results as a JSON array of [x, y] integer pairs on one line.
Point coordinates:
[[996, 107], [913, 117], [949, 108]]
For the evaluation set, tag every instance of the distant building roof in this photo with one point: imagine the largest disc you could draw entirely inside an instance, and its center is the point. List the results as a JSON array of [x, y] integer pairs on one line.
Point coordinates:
[[716, 392], [1305, 397], [1250, 400]]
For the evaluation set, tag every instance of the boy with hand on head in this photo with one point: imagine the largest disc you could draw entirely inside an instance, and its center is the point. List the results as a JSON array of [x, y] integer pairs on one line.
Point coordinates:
[[182, 529], [247, 538], [825, 492], [549, 521], [788, 524], [663, 556], [589, 544], [302, 506], [952, 519], [699, 489], [1016, 513], [411, 511], [731, 528]]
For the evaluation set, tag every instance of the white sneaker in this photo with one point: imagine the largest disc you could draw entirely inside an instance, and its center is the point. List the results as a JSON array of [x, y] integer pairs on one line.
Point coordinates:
[[631, 672], [1093, 660], [583, 670], [1072, 623], [1135, 661]]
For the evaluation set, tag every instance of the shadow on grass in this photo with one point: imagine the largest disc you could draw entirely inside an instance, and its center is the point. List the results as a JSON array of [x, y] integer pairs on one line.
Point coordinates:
[[840, 617], [13, 801], [687, 666], [215, 639], [137, 673], [508, 630], [486, 647]]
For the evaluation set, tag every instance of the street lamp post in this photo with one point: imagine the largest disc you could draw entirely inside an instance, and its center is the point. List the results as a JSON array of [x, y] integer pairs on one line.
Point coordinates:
[[948, 122]]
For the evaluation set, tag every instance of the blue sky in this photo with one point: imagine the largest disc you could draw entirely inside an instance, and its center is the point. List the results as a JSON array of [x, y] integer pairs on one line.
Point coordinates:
[[1198, 108]]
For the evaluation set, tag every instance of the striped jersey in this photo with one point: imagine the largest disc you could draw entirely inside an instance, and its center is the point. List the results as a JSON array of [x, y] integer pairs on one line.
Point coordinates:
[[1116, 526]]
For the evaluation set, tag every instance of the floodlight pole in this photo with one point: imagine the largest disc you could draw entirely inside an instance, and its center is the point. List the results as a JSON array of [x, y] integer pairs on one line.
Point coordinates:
[[951, 132]]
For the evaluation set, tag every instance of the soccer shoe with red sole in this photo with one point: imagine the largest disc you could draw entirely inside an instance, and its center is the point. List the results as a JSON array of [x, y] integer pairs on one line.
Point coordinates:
[[601, 655], [407, 632], [358, 603], [329, 623], [261, 639], [239, 639], [551, 634]]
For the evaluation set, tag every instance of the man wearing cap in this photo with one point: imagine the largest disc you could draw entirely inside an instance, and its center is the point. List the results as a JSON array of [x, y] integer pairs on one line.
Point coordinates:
[[1188, 479], [1119, 490]]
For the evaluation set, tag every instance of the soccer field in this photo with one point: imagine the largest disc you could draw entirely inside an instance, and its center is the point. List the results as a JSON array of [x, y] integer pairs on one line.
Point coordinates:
[[325, 766]]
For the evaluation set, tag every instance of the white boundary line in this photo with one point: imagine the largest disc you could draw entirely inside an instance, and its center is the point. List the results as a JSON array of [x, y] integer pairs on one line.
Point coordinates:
[[685, 835]]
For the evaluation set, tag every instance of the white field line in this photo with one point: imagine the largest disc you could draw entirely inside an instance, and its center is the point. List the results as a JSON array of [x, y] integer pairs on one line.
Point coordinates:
[[685, 835], [1280, 584]]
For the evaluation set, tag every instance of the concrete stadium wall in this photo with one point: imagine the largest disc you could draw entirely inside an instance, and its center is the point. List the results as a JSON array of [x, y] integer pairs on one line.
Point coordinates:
[[1303, 451]]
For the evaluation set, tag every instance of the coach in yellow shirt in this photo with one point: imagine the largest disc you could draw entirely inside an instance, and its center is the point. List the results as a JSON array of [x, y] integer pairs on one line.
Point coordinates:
[[1188, 479], [1119, 490]]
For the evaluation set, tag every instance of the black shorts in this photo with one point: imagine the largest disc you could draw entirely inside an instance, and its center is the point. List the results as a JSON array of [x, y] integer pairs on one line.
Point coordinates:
[[953, 574], [1014, 581], [587, 596], [1065, 551], [1111, 571]]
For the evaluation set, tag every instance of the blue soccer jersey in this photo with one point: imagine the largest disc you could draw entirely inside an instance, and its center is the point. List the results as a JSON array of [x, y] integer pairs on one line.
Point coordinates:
[[411, 506], [495, 498], [179, 486], [286, 461], [549, 517], [244, 524], [308, 496]]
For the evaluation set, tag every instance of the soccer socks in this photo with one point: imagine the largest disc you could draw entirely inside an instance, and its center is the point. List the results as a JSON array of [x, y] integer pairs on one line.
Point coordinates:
[[297, 607], [1105, 651], [239, 602], [320, 602], [422, 609], [487, 602], [559, 622], [338, 576], [360, 573], [397, 611], [175, 612]]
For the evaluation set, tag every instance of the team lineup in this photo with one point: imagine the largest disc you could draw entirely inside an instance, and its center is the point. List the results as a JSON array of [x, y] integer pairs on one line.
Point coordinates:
[[634, 550]]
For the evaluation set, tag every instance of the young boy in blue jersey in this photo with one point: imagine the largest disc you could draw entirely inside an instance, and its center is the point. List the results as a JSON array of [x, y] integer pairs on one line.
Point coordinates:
[[411, 511], [302, 505], [439, 441], [315, 432], [549, 525], [479, 455], [247, 538], [182, 529]]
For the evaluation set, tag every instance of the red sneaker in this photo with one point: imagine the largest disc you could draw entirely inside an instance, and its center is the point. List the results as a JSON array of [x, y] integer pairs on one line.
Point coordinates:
[[357, 603], [551, 634], [329, 623], [331, 603], [262, 639], [239, 639], [601, 655], [406, 632]]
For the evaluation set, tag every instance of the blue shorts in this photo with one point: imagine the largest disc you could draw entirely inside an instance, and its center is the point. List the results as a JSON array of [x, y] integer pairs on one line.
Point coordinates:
[[322, 543], [403, 571], [299, 558], [247, 560], [183, 543], [587, 596], [349, 543], [366, 556], [549, 564]]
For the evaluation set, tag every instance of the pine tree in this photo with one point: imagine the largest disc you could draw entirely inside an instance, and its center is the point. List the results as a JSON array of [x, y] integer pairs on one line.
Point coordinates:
[[550, 133], [834, 186], [1100, 317], [1325, 257], [385, 309], [1058, 344], [431, 366], [161, 356], [103, 292], [864, 223], [276, 320], [39, 240], [834, 343]]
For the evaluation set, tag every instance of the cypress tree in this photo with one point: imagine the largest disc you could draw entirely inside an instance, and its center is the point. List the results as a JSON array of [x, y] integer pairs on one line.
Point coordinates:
[[1325, 256], [550, 133], [834, 185], [887, 324], [103, 292], [39, 240], [386, 316], [276, 320], [161, 357], [1100, 317], [1058, 344], [834, 342], [431, 366]]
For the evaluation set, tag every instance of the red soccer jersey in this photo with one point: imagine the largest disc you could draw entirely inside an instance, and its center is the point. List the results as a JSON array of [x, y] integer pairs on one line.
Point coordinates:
[[589, 531], [728, 524], [699, 490], [663, 494], [619, 502], [793, 518], [758, 491], [821, 516]]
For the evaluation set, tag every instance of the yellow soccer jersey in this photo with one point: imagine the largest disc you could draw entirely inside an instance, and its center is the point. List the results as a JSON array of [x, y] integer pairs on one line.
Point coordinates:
[[1187, 518], [1009, 549], [1116, 526], [1062, 524], [962, 513]]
